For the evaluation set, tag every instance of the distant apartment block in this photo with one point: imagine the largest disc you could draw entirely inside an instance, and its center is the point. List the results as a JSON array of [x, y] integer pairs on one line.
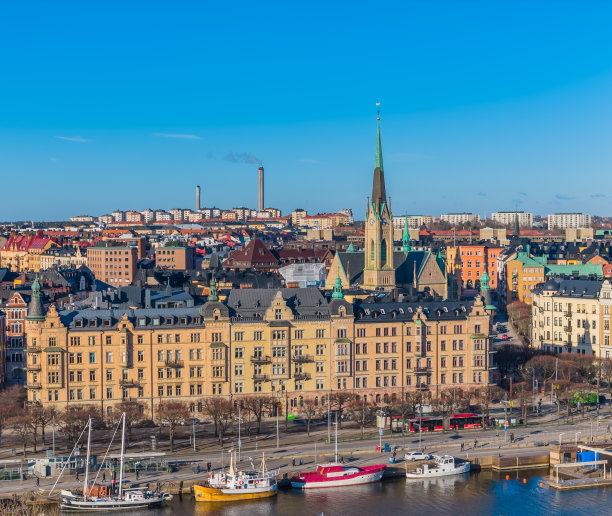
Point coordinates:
[[414, 221], [460, 218], [113, 265], [106, 219], [569, 220], [180, 258], [148, 215], [508, 218], [83, 218], [118, 216]]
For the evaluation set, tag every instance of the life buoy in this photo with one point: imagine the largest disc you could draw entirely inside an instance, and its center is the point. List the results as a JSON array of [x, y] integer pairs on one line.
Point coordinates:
[[240, 482], [256, 482]]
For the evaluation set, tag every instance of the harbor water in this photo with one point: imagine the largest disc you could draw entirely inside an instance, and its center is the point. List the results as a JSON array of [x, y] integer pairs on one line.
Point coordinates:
[[483, 493]]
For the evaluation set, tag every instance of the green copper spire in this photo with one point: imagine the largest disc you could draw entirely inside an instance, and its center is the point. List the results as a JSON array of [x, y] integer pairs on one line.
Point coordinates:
[[379, 194], [406, 237], [337, 293], [36, 310], [378, 160], [484, 281], [212, 290]]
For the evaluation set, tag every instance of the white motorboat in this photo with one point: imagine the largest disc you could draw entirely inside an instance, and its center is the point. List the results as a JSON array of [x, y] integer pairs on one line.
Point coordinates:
[[445, 465]]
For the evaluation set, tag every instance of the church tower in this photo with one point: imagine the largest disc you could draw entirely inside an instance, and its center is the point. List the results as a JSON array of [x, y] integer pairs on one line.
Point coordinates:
[[379, 271]]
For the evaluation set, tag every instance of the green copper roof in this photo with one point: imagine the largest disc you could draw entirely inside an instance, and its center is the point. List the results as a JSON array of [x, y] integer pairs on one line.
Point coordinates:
[[378, 161], [583, 269], [406, 237], [337, 293], [212, 290], [484, 281]]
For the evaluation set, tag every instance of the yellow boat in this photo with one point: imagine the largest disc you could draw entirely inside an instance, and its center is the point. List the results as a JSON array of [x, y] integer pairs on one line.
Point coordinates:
[[235, 485]]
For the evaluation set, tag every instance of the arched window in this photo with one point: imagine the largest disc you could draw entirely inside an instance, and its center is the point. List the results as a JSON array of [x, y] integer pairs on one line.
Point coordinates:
[[372, 251], [383, 252]]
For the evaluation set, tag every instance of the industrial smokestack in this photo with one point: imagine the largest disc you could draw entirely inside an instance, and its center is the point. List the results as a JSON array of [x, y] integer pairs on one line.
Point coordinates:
[[261, 188], [198, 197]]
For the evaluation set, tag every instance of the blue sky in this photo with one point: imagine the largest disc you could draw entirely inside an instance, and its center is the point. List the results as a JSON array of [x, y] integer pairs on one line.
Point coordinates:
[[485, 105]]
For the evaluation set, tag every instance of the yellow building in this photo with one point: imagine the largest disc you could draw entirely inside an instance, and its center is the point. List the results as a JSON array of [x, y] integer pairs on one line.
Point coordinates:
[[287, 343], [22, 253]]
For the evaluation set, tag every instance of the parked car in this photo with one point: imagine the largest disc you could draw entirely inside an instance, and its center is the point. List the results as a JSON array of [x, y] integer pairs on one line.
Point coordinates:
[[505, 337], [416, 455]]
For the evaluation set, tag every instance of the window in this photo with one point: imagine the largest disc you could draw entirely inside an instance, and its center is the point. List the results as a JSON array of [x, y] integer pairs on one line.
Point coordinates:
[[109, 393], [320, 333], [140, 356], [278, 314], [258, 335], [239, 336], [299, 334]]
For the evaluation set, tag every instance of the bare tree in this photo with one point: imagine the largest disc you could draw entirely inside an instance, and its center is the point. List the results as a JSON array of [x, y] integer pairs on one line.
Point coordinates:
[[11, 402], [172, 412], [444, 405], [309, 410], [257, 406], [338, 400], [21, 424], [485, 396], [221, 411], [523, 391], [363, 412], [133, 413], [74, 418], [41, 417]]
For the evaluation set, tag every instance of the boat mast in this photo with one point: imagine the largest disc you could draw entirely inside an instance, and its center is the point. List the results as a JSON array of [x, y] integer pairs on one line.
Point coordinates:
[[87, 461], [121, 467], [336, 453]]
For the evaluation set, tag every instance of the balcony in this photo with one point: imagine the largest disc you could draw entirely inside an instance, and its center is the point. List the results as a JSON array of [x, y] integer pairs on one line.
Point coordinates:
[[261, 377], [302, 358], [301, 376], [33, 349], [261, 359], [34, 385], [422, 387], [174, 363], [567, 313], [33, 367], [129, 383], [567, 329], [422, 369]]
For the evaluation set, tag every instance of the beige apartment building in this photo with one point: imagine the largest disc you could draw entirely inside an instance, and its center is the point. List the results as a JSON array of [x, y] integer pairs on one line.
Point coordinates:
[[288, 343], [113, 265], [567, 316]]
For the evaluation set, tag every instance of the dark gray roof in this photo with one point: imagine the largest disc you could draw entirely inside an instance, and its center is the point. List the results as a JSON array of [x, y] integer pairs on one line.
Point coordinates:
[[252, 303], [140, 318], [574, 287], [434, 310]]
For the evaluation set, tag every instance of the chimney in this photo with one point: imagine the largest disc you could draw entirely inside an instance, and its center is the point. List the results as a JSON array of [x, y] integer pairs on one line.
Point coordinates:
[[261, 188], [197, 197]]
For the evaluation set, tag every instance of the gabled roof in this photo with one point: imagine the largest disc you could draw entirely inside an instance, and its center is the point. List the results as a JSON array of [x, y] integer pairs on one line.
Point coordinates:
[[254, 254], [252, 303]]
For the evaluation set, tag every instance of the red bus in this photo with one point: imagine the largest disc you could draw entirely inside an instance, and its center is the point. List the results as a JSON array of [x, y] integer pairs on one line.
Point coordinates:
[[436, 424]]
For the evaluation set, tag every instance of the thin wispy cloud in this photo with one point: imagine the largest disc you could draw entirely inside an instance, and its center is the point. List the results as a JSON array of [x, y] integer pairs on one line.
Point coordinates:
[[242, 157], [524, 194], [481, 194], [178, 136], [564, 197], [75, 139]]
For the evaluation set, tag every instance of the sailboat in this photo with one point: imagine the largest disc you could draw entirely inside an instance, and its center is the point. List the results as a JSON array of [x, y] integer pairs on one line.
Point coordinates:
[[335, 474], [237, 485], [96, 497]]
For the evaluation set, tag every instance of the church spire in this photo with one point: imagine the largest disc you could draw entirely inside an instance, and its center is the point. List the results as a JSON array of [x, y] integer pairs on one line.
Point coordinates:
[[406, 237], [212, 290], [337, 293], [379, 195]]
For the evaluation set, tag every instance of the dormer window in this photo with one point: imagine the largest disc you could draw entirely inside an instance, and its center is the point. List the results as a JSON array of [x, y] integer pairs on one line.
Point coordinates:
[[401, 311], [107, 323], [183, 320], [142, 321], [78, 323], [382, 311], [156, 321]]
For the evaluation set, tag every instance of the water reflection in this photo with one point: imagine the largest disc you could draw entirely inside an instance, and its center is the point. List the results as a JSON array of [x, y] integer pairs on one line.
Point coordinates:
[[483, 493]]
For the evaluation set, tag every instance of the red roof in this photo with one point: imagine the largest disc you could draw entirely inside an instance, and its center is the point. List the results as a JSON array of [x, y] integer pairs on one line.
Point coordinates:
[[25, 242], [254, 254]]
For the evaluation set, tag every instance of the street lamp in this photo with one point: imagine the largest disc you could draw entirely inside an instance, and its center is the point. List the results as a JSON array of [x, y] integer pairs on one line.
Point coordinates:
[[577, 437]]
